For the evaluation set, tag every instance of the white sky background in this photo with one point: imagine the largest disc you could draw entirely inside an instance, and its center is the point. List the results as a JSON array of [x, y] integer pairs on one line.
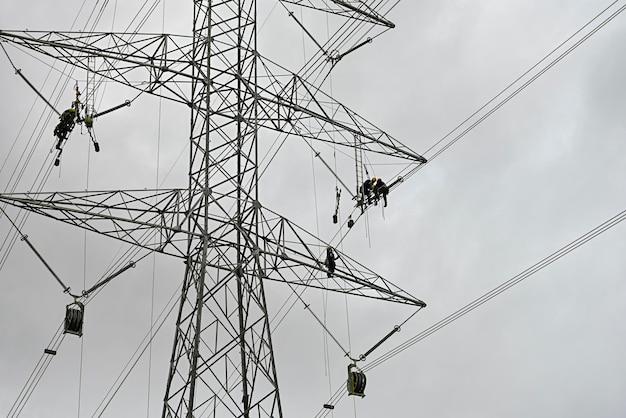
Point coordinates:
[[541, 171]]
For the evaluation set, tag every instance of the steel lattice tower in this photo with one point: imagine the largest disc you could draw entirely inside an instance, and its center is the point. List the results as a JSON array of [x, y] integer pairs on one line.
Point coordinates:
[[222, 358]]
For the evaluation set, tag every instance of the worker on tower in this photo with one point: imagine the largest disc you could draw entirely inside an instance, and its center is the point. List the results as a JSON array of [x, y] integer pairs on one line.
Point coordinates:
[[380, 190], [366, 189], [68, 120], [66, 124], [330, 260]]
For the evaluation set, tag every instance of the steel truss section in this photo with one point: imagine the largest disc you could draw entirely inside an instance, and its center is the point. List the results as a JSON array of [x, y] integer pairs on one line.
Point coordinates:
[[222, 358], [292, 105], [130, 59], [292, 255], [283, 251], [148, 219], [346, 8], [285, 101], [222, 361]]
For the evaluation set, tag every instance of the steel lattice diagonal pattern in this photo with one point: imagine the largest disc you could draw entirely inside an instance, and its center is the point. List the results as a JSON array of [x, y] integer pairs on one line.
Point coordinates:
[[222, 361], [142, 61], [292, 255], [358, 10], [226, 343], [286, 101], [133, 216], [282, 251]]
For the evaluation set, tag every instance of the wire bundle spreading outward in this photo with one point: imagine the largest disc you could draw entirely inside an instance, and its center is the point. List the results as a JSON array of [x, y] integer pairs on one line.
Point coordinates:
[[583, 239]]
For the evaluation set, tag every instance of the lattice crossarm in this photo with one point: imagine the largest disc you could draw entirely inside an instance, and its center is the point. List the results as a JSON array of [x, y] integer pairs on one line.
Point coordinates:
[[349, 9], [130, 216], [161, 59], [292, 255], [289, 104]]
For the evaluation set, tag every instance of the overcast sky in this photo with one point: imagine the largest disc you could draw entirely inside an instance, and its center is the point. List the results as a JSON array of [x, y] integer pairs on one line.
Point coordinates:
[[541, 171]]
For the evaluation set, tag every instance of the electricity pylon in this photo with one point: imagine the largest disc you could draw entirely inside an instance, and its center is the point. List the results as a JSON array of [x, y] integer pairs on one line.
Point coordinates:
[[222, 360]]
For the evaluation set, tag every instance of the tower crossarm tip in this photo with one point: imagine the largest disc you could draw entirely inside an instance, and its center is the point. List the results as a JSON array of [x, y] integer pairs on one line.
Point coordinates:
[[353, 10], [292, 255], [290, 104]]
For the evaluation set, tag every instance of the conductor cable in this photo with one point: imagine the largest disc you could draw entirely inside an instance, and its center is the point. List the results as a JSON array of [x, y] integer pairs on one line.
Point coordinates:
[[583, 239]]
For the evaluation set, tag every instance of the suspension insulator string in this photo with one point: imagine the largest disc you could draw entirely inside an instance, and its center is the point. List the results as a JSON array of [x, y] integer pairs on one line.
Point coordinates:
[[18, 71], [24, 238]]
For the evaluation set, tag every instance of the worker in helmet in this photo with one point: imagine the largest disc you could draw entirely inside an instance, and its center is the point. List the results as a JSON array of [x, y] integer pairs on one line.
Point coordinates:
[[366, 189], [330, 261], [380, 190], [65, 126]]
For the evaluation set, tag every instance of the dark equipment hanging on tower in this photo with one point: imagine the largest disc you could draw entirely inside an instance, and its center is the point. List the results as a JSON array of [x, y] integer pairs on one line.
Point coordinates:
[[74, 315], [356, 381]]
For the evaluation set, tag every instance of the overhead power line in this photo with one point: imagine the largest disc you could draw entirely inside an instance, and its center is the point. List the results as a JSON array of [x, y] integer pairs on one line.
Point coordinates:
[[519, 89], [583, 239], [529, 81]]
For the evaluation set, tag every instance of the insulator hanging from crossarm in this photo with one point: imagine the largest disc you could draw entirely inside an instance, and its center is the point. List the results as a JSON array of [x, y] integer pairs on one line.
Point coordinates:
[[395, 329], [336, 58], [76, 103], [19, 72], [89, 118], [356, 378], [66, 288], [308, 33], [119, 106]]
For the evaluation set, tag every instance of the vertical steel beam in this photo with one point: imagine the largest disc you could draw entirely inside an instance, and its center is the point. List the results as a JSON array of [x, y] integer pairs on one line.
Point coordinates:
[[222, 360]]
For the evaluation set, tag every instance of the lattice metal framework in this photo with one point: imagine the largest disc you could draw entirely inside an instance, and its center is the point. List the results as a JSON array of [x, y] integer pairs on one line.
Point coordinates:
[[222, 360]]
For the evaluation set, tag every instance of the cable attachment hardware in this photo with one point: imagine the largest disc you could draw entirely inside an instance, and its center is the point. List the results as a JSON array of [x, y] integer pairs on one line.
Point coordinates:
[[336, 57], [395, 329]]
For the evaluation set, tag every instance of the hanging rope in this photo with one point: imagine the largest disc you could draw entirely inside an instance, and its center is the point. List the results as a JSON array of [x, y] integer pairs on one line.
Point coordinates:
[[152, 285]]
